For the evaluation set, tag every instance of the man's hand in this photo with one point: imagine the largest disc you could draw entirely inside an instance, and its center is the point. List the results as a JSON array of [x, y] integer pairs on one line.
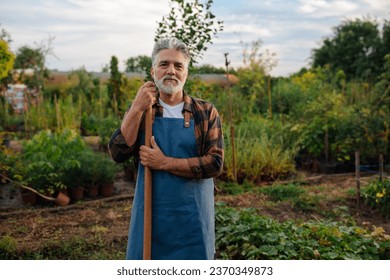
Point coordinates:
[[152, 157], [146, 97]]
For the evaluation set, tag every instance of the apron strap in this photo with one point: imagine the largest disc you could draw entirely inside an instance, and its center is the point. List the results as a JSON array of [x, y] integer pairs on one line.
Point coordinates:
[[187, 117]]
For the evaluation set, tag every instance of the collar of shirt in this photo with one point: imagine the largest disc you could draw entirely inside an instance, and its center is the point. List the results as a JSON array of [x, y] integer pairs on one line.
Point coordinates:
[[158, 108]]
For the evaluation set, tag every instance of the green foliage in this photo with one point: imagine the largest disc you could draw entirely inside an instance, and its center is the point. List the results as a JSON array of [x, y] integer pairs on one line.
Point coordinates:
[[233, 188], [48, 158], [139, 64], [59, 115], [362, 59], [115, 93], [82, 83], [298, 197], [55, 161], [207, 69], [191, 22], [106, 128], [242, 235], [35, 59], [6, 59], [260, 151], [282, 192], [377, 195], [8, 246], [9, 120]]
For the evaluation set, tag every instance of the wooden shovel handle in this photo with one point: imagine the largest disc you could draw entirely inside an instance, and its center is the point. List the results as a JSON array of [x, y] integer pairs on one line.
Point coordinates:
[[148, 192]]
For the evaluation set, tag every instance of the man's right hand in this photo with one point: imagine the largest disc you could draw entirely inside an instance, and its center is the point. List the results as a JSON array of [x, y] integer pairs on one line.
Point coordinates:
[[146, 97]]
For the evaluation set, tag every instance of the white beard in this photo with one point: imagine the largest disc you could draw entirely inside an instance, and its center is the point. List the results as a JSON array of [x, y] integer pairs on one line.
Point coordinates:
[[168, 89]]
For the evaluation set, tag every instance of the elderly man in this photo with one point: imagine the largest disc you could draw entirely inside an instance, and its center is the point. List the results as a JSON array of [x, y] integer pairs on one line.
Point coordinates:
[[186, 153]]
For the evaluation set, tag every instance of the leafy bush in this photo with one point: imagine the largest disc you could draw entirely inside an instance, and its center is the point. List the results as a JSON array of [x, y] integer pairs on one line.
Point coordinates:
[[61, 160], [89, 124], [377, 195], [48, 157], [242, 234], [106, 127], [98, 169]]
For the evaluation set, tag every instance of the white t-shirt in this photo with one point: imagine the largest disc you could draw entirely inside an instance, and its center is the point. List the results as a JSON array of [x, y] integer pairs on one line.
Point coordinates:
[[172, 111]]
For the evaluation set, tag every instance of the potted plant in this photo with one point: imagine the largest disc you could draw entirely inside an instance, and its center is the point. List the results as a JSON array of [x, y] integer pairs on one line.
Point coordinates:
[[105, 174], [41, 177], [72, 178], [88, 163], [51, 161]]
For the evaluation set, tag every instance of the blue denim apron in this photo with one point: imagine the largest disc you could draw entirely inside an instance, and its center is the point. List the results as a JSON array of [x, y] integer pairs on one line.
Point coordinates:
[[182, 208]]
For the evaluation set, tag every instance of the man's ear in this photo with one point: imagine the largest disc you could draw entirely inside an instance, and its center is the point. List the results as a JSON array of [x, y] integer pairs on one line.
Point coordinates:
[[152, 71]]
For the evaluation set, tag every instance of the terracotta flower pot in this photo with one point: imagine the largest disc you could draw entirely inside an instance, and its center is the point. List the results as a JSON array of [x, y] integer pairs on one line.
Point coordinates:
[[107, 189], [77, 193], [92, 191]]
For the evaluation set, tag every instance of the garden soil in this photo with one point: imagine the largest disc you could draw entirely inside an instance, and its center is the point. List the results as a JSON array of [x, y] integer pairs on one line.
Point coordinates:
[[108, 218]]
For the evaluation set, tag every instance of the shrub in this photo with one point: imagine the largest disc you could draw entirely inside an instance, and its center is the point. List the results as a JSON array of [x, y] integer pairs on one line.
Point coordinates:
[[377, 195], [48, 158]]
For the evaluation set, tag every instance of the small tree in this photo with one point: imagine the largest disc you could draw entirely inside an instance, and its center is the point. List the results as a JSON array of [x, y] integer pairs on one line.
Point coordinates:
[[193, 23], [35, 60], [256, 68], [357, 47], [114, 85], [139, 64]]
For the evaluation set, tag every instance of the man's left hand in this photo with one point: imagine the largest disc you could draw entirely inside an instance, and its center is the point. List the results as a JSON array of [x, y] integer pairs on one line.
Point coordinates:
[[152, 157]]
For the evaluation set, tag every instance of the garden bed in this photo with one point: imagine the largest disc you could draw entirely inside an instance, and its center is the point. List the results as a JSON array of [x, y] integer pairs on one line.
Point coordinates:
[[97, 229]]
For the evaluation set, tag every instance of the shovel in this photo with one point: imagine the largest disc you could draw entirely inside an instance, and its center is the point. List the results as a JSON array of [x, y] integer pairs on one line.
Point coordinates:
[[61, 198], [148, 192]]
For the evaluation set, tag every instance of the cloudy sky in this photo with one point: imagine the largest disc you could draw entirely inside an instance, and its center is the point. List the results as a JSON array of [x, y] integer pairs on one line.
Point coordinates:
[[88, 32]]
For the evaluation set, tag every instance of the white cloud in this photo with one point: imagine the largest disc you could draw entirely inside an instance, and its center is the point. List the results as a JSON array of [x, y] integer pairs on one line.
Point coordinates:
[[322, 8], [378, 5]]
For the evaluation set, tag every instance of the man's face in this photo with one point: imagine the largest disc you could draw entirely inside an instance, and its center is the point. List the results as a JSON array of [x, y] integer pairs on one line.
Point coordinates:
[[170, 71]]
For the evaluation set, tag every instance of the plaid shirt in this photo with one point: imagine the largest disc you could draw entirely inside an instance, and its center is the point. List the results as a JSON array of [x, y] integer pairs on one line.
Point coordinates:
[[208, 134]]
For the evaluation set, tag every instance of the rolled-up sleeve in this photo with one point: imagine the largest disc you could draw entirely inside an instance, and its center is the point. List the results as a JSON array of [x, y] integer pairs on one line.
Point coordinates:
[[118, 149], [210, 163]]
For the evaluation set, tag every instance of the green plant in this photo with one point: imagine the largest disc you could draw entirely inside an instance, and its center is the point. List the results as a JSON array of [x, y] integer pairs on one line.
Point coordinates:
[[305, 203], [105, 169], [233, 188], [106, 127], [242, 234], [8, 159], [96, 168], [191, 22], [282, 192], [377, 195], [8, 246], [260, 151], [48, 157]]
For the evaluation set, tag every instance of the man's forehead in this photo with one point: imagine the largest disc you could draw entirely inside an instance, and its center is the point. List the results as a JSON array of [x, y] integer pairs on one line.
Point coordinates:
[[171, 55]]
